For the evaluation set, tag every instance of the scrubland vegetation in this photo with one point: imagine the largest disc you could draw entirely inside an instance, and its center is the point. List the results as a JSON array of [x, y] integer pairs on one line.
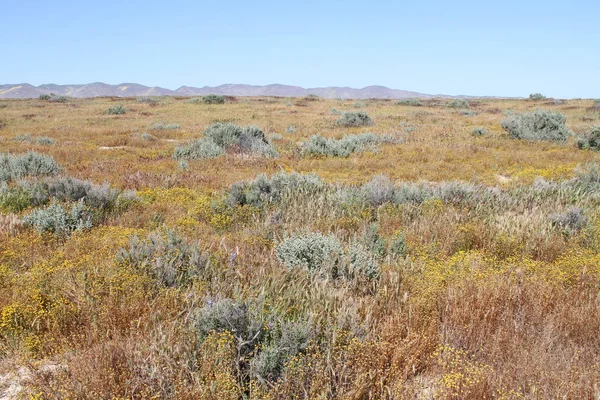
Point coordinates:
[[272, 248]]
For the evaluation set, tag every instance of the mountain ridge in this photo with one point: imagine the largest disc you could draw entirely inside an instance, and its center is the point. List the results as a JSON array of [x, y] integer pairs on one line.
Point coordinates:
[[99, 89]]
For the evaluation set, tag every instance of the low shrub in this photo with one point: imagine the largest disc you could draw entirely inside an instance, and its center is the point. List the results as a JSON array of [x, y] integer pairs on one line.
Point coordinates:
[[537, 125], [166, 257], [410, 102], [17, 166], [45, 141], [590, 141], [147, 137], [291, 129], [352, 119], [571, 221], [537, 96], [264, 190], [317, 145], [162, 126], [213, 99], [468, 113], [312, 250], [459, 103], [116, 110], [147, 100], [56, 220], [479, 131], [226, 137]]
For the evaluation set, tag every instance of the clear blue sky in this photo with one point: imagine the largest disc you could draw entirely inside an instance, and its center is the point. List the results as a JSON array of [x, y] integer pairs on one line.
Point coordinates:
[[505, 48]]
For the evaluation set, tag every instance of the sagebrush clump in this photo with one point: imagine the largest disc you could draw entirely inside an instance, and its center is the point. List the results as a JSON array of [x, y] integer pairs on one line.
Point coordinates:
[[17, 166], [591, 140], [116, 110], [479, 131], [213, 99], [318, 145], [55, 219], [537, 125], [226, 137], [352, 119]]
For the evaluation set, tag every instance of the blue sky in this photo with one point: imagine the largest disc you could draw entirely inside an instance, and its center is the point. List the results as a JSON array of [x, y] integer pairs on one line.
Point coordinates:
[[504, 48]]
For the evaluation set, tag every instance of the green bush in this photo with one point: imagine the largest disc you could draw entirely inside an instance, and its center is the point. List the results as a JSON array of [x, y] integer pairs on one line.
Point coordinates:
[[312, 250], [355, 119], [213, 99], [317, 145], [17, 166], [147, 137], [162, 126], [56, 220], [44, 97], [117, 110], [264, 190], [226, 137], [537, 96], [570, 222], [459, 103], [410, 102], [166, 257], [591, 140], [148, 100], [537, 125], [479, 131], [13, 199]]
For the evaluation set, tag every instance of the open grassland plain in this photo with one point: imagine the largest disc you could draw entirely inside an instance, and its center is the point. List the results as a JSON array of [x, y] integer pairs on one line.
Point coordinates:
[[299, 248]]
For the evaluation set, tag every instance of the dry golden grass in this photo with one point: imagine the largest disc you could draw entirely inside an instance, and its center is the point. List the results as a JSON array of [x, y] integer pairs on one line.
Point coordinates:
[[489, 303]]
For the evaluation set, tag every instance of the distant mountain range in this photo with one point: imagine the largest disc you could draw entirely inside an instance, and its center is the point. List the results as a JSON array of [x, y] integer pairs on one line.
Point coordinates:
[[25, 91]]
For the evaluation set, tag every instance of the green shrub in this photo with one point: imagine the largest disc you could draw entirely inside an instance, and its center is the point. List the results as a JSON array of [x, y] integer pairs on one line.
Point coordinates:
[[312, 97], [17, 166], [459, 103], [148, 100], [410, 102], [198, 149], [311, 250], [379, 190], [317, 145], [291, 129], [56, 220], [537, 96], [263, 190], [213, 99], [162, 126], [570, 222], [397, 246], [468, 113], [44, 97], [355, 119], [226, 137], [13, 199], [45, 141], [591, 140], [117, 110], [26, 137], [57, 99], [147, 137], [538, 125], [479, 131], [286, 340], [166, 257]]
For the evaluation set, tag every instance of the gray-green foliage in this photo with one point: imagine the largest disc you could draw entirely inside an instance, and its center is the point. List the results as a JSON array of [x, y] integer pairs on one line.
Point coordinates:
[[264, 190], [53, 98], [410, 102], [354, 119], [147, 137], [468, 113], [55, 219], [166, 257], [163, 126], [312, 250], [318, 145], [537, 96], [459, 103], [116, 110], [537, 125], [213, 99], [291, 129], [591, 140], [325, 255], [148, 100], [17, 166], [286, 339], [226, 137], [479, 131], [41, 140], [571, 221]]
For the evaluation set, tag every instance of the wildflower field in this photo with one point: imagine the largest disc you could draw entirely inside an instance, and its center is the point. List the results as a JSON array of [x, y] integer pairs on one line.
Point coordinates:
[[300, 248]]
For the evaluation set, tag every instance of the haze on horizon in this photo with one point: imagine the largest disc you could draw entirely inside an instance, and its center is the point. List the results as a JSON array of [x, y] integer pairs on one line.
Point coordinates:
[[495, 48]]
